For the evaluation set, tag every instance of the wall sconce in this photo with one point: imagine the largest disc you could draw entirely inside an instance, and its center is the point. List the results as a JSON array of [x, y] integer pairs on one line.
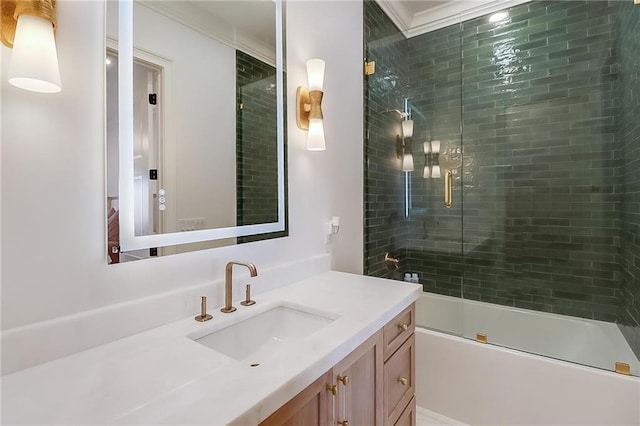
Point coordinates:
[[28, 28], [431, 160], [309, 106], [403, 144]]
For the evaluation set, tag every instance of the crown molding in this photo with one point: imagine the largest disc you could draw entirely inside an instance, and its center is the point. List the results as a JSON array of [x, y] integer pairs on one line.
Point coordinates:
[[454, 12], [398, 14]]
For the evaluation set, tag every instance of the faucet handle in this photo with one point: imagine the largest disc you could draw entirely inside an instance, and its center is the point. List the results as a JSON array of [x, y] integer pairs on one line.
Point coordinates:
[[203, 311], [247, 300]]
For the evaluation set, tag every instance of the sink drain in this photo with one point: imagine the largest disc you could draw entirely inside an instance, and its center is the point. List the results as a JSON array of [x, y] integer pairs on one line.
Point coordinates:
[[255, 364]]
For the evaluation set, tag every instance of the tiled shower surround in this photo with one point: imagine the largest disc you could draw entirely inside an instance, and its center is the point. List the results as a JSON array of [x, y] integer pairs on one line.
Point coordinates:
[[535, 114]]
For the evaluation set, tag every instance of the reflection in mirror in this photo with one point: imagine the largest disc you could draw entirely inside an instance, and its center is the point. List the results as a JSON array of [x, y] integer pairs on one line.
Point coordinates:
[[196, 160]]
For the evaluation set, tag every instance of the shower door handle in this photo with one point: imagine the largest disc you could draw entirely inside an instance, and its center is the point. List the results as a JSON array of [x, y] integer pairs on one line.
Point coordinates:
[[448, 189]]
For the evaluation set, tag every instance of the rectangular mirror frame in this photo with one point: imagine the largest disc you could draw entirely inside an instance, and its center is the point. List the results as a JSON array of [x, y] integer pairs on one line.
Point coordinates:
[[128, 240]]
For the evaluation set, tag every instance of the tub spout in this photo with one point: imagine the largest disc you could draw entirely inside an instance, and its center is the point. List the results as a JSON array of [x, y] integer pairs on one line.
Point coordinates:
[[391, 262]]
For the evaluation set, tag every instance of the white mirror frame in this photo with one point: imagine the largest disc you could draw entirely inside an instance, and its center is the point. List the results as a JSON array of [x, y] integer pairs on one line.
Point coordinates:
[[128, 240]]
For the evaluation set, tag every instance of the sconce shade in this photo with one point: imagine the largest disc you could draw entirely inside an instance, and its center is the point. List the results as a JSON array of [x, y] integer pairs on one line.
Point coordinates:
[[407, 128], [426, 172], [309, 106], [315, 137], [315, 74], [427, 147], [34, 60], [407, 162], [435, 147], [435, 172]]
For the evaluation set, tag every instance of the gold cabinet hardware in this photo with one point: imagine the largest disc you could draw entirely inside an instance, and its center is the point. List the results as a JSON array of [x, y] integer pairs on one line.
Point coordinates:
[[203, 311], [403, 327], [369, 68], [481, 338], [343, 422], [448, 189], [333, 389], [344, 380], [623, 368], [402, 381]]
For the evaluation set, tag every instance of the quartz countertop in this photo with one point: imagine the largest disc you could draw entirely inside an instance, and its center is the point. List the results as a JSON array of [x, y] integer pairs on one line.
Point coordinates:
[[163, 376]]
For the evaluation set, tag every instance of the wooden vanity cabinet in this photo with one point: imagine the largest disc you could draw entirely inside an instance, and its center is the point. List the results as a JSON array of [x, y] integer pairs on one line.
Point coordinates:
[[359, 377], [311, 407], [372, 386]]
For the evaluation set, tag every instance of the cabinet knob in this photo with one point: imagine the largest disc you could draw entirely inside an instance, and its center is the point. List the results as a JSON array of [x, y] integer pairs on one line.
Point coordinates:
[[333, 389], [403, 327], [343, 423], [344, 380], [402, 381]]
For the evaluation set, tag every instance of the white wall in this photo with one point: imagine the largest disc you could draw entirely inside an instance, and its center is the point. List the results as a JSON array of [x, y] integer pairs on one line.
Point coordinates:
[[53, 183], [332, 30]]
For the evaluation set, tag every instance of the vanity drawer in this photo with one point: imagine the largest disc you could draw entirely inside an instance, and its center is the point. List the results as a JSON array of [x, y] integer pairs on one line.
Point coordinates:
[[399, 385], [398, 329], [408, 416]]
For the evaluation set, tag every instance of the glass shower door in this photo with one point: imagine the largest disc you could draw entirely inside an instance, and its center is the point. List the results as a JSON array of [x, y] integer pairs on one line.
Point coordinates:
[[434, 245], [407, 221], [542, 194]]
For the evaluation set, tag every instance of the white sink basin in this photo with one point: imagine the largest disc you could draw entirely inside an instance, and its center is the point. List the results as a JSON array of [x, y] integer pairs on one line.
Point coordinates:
[[256, 338]]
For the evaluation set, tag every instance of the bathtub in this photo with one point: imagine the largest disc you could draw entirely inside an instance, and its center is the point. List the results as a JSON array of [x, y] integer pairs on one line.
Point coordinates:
[[482, 384]]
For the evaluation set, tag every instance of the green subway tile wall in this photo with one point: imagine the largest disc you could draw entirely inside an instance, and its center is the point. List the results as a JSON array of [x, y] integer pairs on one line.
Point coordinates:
[[535, 115], [256, 150], [384, 225]]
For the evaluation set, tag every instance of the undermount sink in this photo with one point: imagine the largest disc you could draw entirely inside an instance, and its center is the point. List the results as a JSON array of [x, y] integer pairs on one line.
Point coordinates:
[[258, 337]]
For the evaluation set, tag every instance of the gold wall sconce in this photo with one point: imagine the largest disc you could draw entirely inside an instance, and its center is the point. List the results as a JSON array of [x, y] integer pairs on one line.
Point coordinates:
[[28, 28], [431, 160], [309, 106]]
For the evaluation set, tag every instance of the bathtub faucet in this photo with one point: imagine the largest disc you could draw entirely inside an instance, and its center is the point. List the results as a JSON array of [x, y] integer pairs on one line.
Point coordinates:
[[392, 262]]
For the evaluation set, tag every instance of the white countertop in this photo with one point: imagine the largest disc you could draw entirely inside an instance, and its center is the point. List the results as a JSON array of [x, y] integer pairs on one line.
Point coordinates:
[[164, 377]]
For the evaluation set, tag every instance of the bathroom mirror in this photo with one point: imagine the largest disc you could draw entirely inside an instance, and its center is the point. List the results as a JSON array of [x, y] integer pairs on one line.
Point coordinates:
[[195, 125]]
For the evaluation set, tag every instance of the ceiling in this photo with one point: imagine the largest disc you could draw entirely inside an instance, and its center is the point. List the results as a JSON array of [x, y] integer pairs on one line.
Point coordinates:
[[415, 17]]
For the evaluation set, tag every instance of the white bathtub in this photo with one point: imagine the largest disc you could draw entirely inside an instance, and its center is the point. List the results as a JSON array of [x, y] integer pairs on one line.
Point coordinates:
[[490, 385]]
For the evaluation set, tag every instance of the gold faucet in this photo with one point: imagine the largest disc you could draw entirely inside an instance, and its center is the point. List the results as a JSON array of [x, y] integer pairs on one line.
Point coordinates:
[[228, 282]]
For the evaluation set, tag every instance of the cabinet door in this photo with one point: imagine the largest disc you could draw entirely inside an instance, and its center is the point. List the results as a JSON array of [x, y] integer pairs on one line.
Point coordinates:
[[359, 380], [399, 380], [311, 407], [408, 417]]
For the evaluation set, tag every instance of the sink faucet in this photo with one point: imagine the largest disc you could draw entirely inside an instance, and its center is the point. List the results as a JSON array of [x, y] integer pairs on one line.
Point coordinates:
[[228, 282]]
